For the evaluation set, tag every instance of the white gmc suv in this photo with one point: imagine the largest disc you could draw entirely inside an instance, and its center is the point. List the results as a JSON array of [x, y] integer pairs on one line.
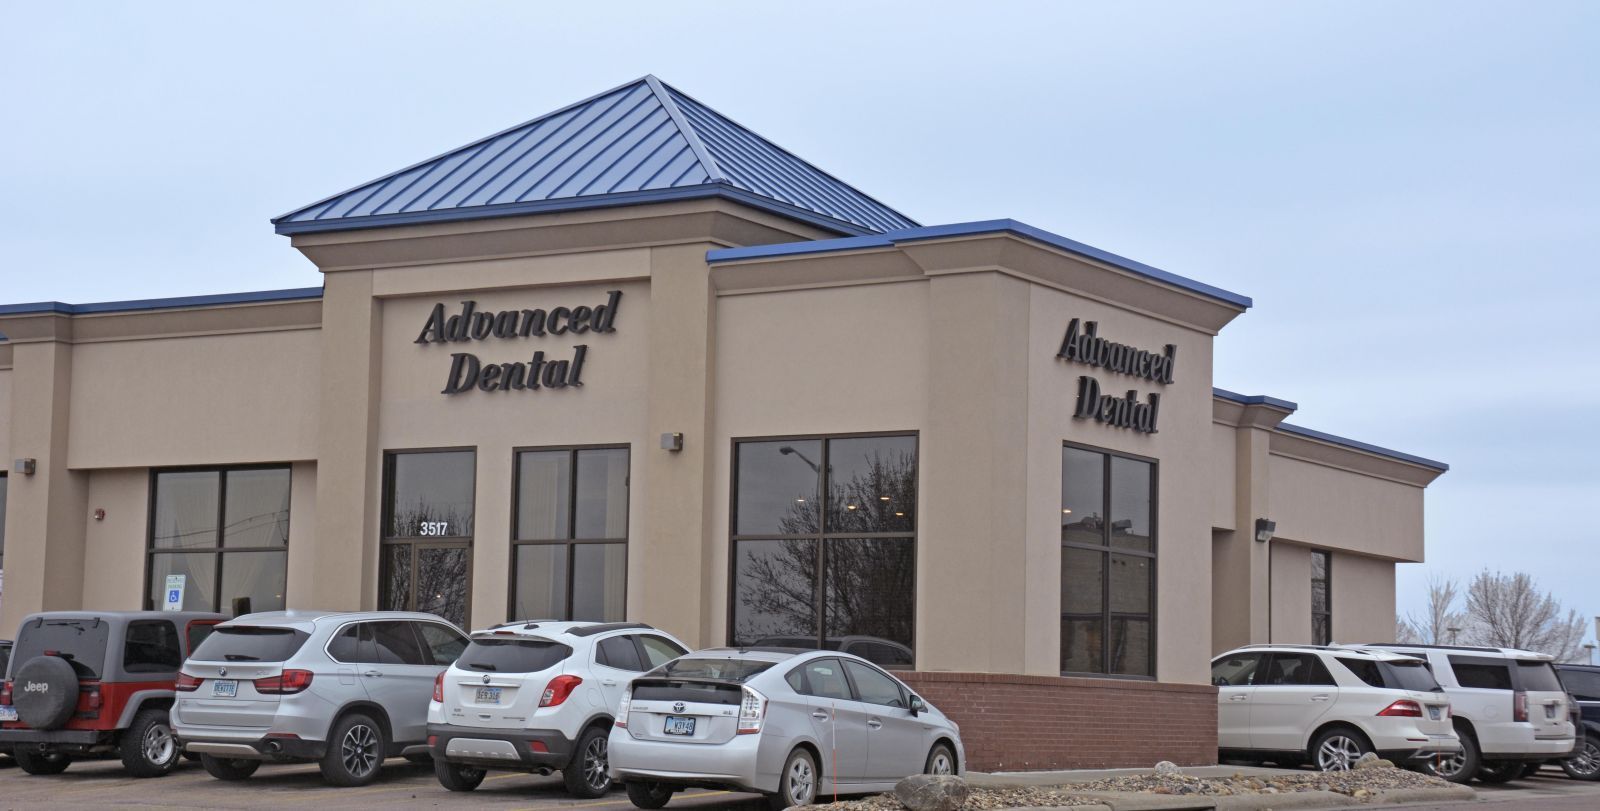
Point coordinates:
[[1290, 703], [538, 697], [1510, 709]]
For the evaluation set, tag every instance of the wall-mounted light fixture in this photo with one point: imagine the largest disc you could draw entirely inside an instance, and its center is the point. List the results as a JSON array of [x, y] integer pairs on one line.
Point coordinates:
[[99, 514], [1264, 529], [26, 467], [672, 442]]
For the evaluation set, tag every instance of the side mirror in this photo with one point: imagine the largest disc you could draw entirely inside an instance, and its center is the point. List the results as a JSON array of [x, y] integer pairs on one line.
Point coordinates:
[[917, 707]]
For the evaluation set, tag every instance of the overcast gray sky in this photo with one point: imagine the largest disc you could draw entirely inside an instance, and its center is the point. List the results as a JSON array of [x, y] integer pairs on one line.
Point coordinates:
[[1410, 191]]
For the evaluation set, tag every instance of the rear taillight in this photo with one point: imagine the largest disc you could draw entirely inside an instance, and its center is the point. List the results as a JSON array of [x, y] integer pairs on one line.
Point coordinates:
[[5, 694], [93, 694], [558, 689], [1404, 708], [1519, 706], [622, 709], [438, 687], [187, 683], [751, 712], [287, 683]]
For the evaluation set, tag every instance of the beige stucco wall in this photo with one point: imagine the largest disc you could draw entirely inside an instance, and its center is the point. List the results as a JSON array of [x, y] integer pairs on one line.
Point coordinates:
[[1223, 453], [116, 545], [1291, 593], [1363, 599], [5, 418], [1345, 510], [183, 401]]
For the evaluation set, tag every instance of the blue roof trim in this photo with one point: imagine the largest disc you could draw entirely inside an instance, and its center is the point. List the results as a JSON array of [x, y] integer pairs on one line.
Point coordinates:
[[1007, 226], [254, 297], [1361, 446], [1254, 399], [572, 204]]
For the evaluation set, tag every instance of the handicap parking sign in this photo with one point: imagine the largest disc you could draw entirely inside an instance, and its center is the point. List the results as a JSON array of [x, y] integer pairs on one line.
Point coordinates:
[[175, 586]]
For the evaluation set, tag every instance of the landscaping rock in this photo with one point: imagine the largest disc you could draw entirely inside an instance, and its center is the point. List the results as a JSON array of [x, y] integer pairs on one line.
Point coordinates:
[[1168, 767], [932, 792], [1372, 761]]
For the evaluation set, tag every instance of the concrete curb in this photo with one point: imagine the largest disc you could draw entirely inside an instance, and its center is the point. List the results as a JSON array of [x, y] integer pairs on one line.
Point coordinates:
[[1395, 796], [1284, 801]]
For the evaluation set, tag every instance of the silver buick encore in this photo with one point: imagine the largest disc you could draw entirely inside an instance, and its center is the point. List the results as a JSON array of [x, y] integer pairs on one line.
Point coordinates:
[[794, 725], [346, 690]]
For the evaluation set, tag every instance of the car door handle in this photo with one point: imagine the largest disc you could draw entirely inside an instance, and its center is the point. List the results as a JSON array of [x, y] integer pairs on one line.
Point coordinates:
[[820, 715], [874, 723], [1237, 698], [373, 673], [609, 682], [1323, 697]]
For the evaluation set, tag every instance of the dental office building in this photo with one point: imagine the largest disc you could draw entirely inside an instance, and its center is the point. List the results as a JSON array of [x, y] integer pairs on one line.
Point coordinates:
[[631, 360]]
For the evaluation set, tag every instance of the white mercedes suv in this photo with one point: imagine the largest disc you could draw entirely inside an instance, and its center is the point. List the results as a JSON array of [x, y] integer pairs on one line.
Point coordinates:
[[538, 696], [1289, 703]]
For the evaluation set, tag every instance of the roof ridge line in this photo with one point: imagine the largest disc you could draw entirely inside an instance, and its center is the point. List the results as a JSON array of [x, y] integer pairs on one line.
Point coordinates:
[[701, 153], [464, 147]]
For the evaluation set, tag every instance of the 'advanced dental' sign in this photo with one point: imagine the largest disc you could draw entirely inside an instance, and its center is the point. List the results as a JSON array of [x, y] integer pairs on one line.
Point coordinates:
[[1084, 345], [468, 372]]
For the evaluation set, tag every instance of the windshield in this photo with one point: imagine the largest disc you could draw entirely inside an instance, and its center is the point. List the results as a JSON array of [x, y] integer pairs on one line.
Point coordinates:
[[491, 655], [1411, 676], [735, 670], [80, 641], [1538, 677], [250, 643]]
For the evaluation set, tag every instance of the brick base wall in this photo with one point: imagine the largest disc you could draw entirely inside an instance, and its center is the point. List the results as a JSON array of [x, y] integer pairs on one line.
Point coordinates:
[[1017, 723]]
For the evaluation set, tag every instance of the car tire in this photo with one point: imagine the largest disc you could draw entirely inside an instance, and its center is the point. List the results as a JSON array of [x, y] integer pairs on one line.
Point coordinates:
[[228, 768], [940, 760], [1463, 766], [648, 795], [1585, 765], [586, 776], [458, 777], [1495, 772], [35, 762], [355, 752], [1337, 749], [797, 783], [147, 747]]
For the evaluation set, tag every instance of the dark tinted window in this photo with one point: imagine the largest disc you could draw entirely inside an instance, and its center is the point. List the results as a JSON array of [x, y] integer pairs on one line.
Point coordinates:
[[874, 687], [571, 529], [738, 670], [619, 652], [152, 646], [1364, 669], [5, 659], [1582, 684], [887, 654], [218, 539], [824, 678], [250, 643], [869, 589], [430, 494], [1410, 676], [1108, 563], [1235, 670], [1537, 677], [80, 641], [658, 651], [796, 679], [1485, 675], [443, 643], [1285, 669], [397, 644], [492, 655], [347, 646], [777, 488], [695, 692], [198, 631]]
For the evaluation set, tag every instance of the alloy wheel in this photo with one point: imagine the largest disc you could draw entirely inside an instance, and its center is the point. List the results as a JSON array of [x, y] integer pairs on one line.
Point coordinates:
[[1450, 765], [594, 764], [1338, 753], [359, 750], [801, 781], [158, 745], [1587, 761], [941, 763]]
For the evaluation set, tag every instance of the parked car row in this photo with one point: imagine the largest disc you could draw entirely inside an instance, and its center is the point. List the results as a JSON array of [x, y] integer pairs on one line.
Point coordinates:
[[1463, 713], [599, 702]]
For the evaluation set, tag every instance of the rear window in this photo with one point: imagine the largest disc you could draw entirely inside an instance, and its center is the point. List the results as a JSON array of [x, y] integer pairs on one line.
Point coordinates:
[[80, 641], [491, 655], [250, 643], [1538, 677], [1583, 684], [690, 691], [1365, 670], [735, 670], [151, 646]]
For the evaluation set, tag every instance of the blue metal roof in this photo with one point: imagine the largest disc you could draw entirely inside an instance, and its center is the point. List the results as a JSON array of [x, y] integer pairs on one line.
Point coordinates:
[[639, 143], [252, 297], [1361, 446], [1020, 229], [1254, 399]]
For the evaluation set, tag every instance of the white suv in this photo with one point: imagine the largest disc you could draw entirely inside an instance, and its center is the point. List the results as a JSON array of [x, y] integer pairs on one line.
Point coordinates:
[[1510, 709], [1287, 703], [538, 697]]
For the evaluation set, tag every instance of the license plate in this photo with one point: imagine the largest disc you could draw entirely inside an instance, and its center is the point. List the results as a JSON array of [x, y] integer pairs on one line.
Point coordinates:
[[679, 725], [225, 688], [1433, 713], [8, 713], [488, 695], [1550, 710]]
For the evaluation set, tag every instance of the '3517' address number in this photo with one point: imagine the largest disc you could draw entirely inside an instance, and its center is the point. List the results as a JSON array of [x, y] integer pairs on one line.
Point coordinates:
[[434, 528]]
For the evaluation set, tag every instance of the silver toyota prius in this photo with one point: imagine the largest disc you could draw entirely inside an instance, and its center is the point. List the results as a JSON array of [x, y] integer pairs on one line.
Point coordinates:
[[792, 724]]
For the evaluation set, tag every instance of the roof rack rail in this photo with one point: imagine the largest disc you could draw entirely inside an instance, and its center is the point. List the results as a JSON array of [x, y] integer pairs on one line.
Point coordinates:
[[529, 624], [591, 630], [1431, 647]]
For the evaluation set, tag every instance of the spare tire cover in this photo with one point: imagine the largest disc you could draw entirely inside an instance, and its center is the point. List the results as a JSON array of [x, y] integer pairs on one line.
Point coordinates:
[[45, 692]]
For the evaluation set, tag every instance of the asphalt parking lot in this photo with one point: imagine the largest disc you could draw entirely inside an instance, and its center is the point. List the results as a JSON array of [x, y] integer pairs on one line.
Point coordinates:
[[403, 785]]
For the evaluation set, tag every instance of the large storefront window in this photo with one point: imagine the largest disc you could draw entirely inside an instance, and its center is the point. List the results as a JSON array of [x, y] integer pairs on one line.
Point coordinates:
[[569, 541], [1108, 556], [824, 545], [219, 539], [1321, 598], [426, 557]]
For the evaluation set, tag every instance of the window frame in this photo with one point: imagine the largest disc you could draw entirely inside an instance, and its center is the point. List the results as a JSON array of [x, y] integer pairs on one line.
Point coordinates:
[[419, 542], [218, 550], [1327, 593], [822, 536], [571, 541], [1106, 615], [5, 494]]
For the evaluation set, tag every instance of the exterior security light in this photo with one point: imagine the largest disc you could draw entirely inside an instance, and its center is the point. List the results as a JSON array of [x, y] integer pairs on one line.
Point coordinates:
[[25, 466], [672, 442], [1264, 529]]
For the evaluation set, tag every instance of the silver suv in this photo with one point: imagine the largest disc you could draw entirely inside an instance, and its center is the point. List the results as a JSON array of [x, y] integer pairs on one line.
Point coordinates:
[[344, 689]]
